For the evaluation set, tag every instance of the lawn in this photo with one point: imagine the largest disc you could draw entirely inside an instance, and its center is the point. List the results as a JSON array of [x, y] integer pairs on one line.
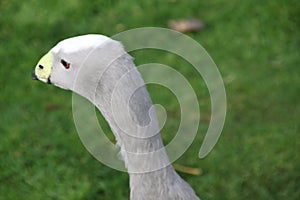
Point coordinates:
[[255, 45]]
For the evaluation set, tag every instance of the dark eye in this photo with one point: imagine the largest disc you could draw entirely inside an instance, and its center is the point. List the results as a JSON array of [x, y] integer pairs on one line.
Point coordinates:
[[65, 63]]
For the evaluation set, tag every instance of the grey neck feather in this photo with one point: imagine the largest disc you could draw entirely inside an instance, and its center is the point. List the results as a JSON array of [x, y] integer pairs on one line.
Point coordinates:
[[119, 93]]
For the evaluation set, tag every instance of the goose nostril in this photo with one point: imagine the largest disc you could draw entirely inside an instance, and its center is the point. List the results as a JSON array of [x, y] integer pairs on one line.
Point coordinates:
[[41, 66]]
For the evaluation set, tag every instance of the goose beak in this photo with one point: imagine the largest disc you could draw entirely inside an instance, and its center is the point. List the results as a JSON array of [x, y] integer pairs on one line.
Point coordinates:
[[34, 77], [43, 69]]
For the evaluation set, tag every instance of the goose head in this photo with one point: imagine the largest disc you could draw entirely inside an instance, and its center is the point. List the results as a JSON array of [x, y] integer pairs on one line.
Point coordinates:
[[61, 65]]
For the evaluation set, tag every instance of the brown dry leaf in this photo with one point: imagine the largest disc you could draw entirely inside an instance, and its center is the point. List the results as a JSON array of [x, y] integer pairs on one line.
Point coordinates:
[[186, 25], [52, 107]]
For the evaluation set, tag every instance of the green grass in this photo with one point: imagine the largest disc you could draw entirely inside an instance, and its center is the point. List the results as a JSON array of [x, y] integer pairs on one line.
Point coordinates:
[[255, 44]]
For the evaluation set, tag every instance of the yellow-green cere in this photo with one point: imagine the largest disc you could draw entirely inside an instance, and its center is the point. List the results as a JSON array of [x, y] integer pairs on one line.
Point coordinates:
[[43, 68]]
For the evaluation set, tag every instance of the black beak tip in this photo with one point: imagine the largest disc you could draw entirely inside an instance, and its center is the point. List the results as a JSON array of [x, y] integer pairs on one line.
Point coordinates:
[[33, 75], [49, 81]]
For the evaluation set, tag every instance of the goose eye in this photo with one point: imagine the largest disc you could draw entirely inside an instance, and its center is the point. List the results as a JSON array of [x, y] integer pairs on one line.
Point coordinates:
[[65, 63]]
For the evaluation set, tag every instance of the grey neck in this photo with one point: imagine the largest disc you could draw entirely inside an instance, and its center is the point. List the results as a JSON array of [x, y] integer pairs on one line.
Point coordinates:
[[122, 98]]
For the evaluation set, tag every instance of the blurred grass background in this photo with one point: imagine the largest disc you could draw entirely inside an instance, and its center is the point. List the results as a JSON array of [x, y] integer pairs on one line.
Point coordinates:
[[255, 44]]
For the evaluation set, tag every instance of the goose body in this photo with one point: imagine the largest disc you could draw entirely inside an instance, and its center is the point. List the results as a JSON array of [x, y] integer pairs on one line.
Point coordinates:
[[99, 69]]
